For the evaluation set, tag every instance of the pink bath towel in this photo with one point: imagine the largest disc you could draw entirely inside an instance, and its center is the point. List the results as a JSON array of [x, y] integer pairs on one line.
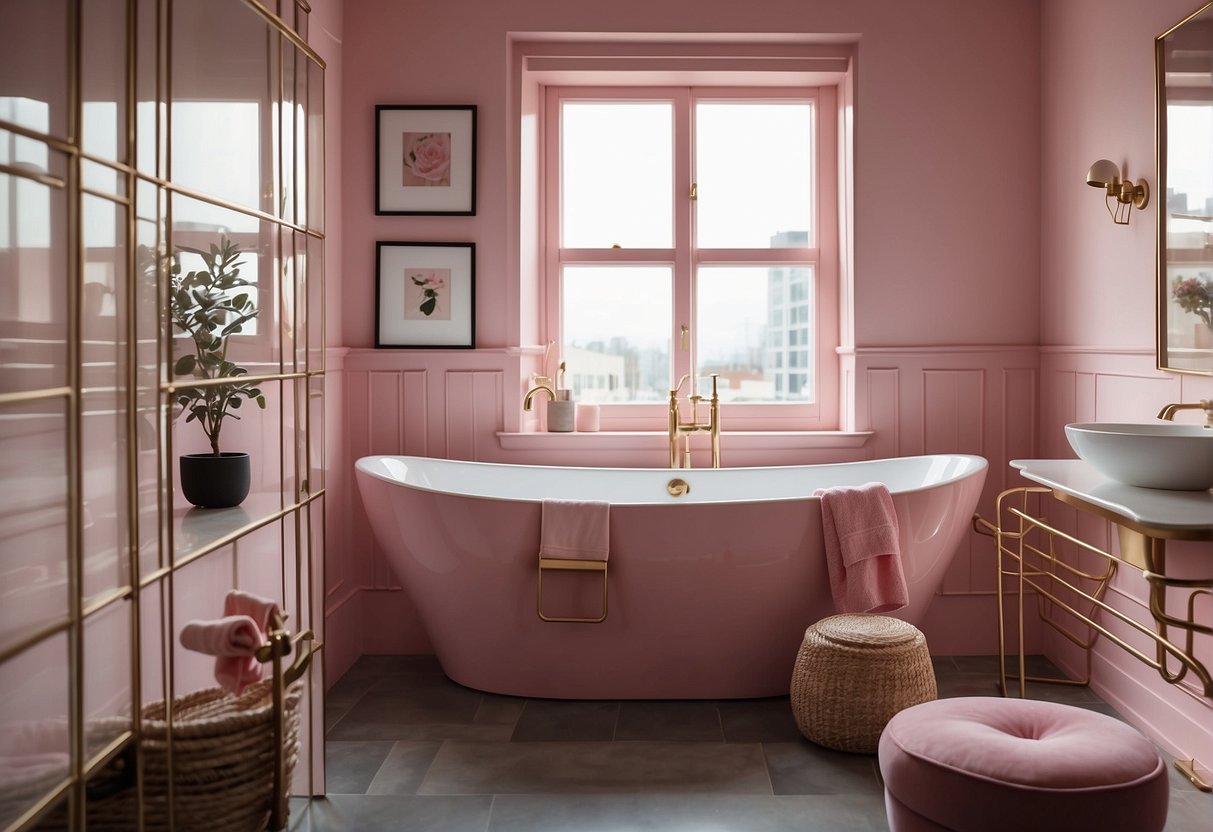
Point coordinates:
[[575, 530], [233, 640], [859, 525]]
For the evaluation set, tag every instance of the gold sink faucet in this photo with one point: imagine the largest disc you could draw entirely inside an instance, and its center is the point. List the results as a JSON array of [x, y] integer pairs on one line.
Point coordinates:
[[678, 428], [543, 384], [1168, 411]]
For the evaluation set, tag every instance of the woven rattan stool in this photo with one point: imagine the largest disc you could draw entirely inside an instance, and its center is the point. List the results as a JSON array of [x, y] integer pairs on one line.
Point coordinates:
[[853, 673]]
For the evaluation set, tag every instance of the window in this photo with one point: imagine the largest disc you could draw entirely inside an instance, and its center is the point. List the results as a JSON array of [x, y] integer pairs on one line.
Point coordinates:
[[683, 236]]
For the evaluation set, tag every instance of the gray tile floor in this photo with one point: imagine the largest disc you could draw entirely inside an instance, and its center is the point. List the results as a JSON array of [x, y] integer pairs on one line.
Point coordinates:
[[410, 751]]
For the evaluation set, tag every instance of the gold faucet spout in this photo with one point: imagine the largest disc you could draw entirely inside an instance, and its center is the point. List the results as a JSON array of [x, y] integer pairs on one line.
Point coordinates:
[[1168, 411], [528, 401]]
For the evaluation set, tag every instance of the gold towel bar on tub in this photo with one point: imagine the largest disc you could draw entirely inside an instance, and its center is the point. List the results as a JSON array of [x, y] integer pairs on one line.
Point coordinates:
[[570, 565]]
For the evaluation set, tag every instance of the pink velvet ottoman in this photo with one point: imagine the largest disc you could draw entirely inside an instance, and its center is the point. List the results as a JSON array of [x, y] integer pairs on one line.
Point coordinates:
[[984, 764]]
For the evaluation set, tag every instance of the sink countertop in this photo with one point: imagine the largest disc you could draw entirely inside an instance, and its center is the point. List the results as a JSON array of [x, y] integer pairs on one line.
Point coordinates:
[[1154, 509]]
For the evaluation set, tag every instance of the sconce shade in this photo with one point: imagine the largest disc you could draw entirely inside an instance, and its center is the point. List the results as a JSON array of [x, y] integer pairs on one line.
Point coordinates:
[[1103, 173]]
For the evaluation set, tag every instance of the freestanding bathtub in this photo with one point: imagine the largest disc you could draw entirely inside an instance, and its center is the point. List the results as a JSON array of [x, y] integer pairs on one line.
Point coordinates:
[[709, 592]]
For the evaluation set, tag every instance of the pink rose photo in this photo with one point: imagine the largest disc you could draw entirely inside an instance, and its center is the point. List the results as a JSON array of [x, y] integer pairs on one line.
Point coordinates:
[[427, 160], [427, 295]]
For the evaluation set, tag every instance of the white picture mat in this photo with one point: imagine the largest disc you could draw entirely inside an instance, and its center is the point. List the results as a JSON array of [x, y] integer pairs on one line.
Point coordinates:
[[393, 196], [394, 330]]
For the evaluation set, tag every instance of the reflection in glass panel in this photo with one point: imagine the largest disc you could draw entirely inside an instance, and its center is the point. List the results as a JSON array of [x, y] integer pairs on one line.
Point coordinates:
[[103, 79], [34, 65], [33, 516], [616, 327], [149, 257], [753, 166], [103, 401], [616, 174], [315, 398], [285, 138], [34, 736], [221, 112], [294, 247], [755, 330], [107, 675], [147, 107], [314, 186], [313, 271], [216, 150], [33, 260]]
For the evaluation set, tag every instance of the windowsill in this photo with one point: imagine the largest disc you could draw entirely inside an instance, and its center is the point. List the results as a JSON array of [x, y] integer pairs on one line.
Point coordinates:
[[655, 440]]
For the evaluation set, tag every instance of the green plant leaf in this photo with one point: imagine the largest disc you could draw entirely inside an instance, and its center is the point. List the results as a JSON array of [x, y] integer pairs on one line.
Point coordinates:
[[261, 402], [427, 308], [185, 365]]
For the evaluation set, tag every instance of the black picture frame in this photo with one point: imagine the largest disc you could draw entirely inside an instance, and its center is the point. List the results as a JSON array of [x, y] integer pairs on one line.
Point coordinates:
[[425, 159], [425, 295]]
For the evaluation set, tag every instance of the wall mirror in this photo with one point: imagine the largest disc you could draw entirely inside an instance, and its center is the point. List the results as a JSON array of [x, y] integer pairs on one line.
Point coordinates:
[[1183, 68]]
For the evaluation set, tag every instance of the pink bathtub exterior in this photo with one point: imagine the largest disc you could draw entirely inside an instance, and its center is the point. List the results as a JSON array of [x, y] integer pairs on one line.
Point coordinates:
[[710, 593]]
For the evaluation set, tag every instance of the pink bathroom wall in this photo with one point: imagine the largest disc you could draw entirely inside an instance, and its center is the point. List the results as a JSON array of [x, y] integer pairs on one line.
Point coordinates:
[[928, 225], [945, 265], [1098, 306]]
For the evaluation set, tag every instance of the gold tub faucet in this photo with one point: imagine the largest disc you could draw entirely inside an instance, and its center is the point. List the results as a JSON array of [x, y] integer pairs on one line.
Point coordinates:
[[678, 428], [1168, 411], [543, 384]]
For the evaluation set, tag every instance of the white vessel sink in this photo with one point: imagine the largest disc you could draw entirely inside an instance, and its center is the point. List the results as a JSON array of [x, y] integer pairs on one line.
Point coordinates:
[[1156, 455]]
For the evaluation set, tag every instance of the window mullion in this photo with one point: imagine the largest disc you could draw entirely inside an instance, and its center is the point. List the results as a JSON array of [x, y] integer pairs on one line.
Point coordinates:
[[684, 238]]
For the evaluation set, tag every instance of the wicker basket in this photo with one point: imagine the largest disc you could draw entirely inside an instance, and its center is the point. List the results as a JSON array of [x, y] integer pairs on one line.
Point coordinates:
[[223, 758], [853, 673]]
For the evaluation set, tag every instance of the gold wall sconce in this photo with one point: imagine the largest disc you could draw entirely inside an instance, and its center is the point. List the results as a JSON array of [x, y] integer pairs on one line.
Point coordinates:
[[1127, 195]]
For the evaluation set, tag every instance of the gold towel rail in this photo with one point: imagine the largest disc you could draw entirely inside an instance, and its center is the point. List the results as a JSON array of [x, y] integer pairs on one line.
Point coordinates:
[[570, 565], [280, 644]]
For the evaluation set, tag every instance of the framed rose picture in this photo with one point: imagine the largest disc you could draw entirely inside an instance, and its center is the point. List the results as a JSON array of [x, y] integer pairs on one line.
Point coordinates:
[[425, 159], [425, 295]]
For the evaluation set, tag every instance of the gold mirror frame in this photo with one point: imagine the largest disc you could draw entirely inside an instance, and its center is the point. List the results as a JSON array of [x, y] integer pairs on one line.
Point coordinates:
[[1183, 75]]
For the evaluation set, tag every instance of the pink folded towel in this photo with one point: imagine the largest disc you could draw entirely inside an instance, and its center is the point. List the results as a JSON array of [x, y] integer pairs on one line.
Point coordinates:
[[261, 610], [233, 640], [575, 530], [859, 526]]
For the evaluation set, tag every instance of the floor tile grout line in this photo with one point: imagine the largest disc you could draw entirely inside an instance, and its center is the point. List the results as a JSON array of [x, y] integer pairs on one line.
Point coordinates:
[[766, 766], [488, 816]]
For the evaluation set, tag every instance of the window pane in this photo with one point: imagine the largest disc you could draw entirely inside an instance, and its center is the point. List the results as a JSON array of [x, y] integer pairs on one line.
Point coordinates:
[[742, 338], [617, 174], [616, 325], [753, 168]]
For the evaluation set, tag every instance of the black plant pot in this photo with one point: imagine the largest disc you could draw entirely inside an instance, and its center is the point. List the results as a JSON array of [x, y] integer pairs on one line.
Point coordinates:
[[210, 481]]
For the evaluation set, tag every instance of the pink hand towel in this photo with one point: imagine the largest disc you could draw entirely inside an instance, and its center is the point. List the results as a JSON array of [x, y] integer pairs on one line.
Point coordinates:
[[859, 527], [575, 530], [261, 610], [233, 641]]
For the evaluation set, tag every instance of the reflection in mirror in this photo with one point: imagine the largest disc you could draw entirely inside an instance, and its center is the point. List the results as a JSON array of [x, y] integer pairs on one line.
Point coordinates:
[[1184, 78]]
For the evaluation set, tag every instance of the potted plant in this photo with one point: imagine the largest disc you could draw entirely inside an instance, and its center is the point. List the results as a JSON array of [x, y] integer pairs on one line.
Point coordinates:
[[210, 305], [1195, 295]]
